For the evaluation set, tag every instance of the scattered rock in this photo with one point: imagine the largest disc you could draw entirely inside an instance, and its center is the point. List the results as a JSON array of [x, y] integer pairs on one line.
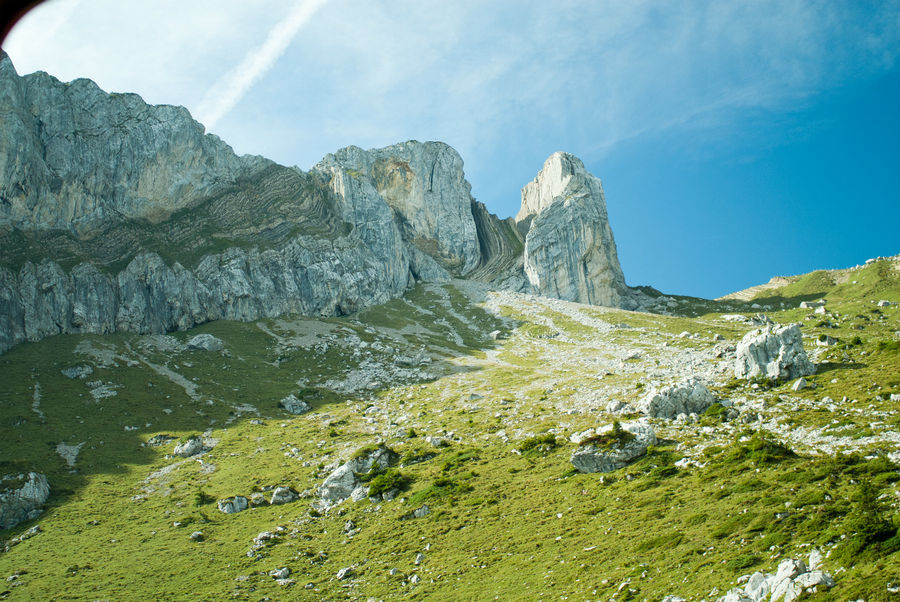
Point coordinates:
[[774, 352], [344, 573], [233, 505], [205, 342], [161, 439], [420, 512], [191, 447], [790, 581], [687, 397], [294, 405], [343, 481], [799, 384], [825, 341], [282, 573], [197, 536], [69, 453], [812, 304], [283, 495], [77, 371], [24, 503], [605, 452]]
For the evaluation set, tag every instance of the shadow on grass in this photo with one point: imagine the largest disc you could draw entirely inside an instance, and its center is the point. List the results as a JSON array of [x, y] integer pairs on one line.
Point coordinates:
[[825, 367], [141, 386]]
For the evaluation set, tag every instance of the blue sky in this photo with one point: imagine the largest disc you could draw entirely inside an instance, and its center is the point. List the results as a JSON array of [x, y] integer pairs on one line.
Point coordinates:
[[735, 140]]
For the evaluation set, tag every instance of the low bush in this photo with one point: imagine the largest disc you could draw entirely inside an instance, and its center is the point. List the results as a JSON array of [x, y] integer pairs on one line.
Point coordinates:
[[539, 444]]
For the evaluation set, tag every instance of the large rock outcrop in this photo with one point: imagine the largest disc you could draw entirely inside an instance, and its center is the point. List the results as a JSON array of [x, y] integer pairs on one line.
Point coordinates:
[[25, 502], [687, 397], [73, 156], [569, 248], [116, 215], [774, 352], [605, 449], [423, 190]]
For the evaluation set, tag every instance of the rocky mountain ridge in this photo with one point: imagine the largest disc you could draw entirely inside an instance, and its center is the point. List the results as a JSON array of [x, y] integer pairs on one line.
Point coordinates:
[[120, 216]]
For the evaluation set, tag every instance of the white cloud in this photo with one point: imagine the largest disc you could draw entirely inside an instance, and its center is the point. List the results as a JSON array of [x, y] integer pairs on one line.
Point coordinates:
[[229, 90]]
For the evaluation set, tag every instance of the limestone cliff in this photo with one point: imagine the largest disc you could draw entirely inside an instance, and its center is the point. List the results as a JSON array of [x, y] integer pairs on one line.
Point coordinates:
[[120, 216], [569, 248], [73, 156], [424, 185]]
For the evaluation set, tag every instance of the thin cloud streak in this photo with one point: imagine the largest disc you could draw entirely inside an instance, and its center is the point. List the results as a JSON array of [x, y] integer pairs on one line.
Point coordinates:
[[232, 87]]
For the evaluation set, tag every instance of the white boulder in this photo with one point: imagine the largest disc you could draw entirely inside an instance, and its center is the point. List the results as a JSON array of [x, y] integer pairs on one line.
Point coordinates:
[[774, 351], [687, 397], [206, 342]]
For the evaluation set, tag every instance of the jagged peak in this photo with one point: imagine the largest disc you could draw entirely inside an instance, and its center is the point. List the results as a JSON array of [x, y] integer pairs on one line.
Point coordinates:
[[561, 174]]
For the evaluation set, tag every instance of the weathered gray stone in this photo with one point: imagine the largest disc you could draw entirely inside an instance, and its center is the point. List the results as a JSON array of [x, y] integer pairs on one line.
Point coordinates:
[[799, 384], [773, 352], [283, 495], [77, 371], [423, 189], [191, 447], [814, 578], [687, 397], [294, 405], [343, 481], [25, 502], [233, 505], [590, 457], [569, 248], [206, 342], [282, 573], [345, 573]]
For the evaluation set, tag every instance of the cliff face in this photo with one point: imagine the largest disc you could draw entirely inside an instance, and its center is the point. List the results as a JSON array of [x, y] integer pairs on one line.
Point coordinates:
[[72, 156], [569, 248], [120, 216], [423, 185]]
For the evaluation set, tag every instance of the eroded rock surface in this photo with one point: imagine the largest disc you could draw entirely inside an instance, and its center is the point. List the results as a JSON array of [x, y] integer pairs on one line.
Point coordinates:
[[344, 482], [594, 456], [23, 503], [687, 397], [570, 252], [774, 351]]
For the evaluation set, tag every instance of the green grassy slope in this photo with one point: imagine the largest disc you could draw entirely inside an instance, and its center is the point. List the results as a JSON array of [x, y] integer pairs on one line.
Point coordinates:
[[503, 522]]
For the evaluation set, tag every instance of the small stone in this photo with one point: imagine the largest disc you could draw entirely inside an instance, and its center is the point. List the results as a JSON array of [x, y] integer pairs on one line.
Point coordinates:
[[197, 536], [414, 579], [283, 495], [233, 505], [344, 573], [799, 384], [294, 405], [191, 447], [419, 558], [815, 559], [282, 573], [813, 579]]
